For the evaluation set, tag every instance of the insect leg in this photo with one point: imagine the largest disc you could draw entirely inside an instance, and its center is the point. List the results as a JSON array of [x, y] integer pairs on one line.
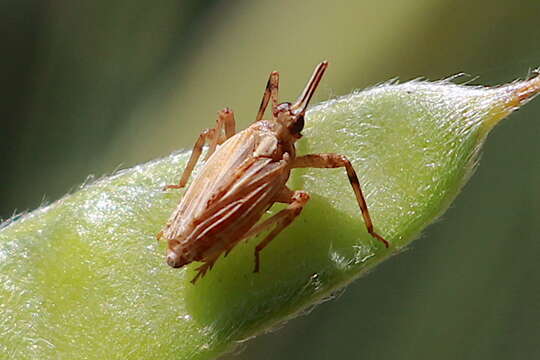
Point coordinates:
[[225, 121], [336, 161], [296, 201], [226, 116], [214, 137], [201, 270], [207, 134], [271, 92]]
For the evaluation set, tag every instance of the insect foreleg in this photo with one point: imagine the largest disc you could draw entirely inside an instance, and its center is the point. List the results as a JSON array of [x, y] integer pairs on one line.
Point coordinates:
[[296, 201], [271, 92], [214, 137], [336, 161]]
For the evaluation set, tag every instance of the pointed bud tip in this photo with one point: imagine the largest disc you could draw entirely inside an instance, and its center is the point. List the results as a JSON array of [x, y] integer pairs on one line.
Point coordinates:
[[524, 91], [529, 88], [513, 96]]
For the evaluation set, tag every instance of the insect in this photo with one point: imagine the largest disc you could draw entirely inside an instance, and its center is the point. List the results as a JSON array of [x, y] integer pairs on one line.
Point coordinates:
[[243, 178]]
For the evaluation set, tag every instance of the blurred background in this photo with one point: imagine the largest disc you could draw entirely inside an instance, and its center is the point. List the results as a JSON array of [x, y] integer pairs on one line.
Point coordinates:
[[90, 87]]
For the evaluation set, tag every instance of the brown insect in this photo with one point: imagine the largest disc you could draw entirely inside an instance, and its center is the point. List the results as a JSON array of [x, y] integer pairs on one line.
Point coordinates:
[[243, 177]]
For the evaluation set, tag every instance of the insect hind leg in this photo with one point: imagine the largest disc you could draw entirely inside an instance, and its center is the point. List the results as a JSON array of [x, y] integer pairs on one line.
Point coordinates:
[[204, 268], [296, 200]]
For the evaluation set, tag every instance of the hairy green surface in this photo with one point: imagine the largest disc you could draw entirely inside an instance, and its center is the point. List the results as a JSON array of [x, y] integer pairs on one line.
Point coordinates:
[[84, 277]]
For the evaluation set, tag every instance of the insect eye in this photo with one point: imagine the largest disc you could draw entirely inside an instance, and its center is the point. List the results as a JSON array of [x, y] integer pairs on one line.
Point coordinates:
[[297, 125]]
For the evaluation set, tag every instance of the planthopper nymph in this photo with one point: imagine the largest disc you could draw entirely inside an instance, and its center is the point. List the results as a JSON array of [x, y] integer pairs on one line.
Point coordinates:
[[244, 175]]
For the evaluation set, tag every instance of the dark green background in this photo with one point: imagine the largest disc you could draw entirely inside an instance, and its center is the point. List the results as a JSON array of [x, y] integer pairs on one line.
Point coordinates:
[[88, 87]]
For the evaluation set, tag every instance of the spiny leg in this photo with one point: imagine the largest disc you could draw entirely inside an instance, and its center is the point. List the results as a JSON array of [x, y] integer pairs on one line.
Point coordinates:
[[201, 270], [270, 93], [336, 161], [296, 201], [214, 137]]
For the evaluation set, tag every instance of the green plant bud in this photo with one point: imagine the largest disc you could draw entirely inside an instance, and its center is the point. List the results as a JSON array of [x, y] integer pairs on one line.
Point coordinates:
[[85, 278]]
